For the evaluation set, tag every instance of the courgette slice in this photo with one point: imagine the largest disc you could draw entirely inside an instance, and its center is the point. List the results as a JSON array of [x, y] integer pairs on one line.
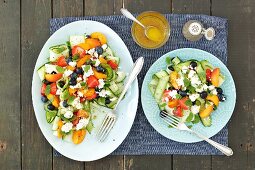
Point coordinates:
[[41, 72]]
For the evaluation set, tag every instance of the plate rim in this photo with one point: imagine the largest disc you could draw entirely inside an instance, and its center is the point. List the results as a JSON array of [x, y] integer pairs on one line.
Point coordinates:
[[146, 86], [135, 86]]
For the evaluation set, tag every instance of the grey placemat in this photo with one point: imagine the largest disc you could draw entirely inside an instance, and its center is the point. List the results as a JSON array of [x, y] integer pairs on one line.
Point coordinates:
[[143, 139]]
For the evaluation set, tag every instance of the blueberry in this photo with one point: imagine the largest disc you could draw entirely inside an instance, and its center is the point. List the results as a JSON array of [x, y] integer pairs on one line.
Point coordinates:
[[69, 59], [51, 107], [221, 97], [193, 64], [171, 68], [46, 82], [53, 72], [65, 103], [107, 100], [99, 50], [100, 69], [44, 99], [219, 90], [73, 82], [79, 71], [61, 83], [182, 93], [74, 75], [203, 94], [88, 36]]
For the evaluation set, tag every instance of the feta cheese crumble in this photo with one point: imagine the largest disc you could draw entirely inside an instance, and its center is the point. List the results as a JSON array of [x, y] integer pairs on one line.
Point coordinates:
[[97, 62], [102, 93], [82, 123], [101, 83], [87, 71], [67, 127], [193, 97], [180, 81], [185, 69], [173, 93], [91, 51], [68, 114], [214, 92], [49, 68], [104, 46], [195, 109], [68, 73], [73, 63]]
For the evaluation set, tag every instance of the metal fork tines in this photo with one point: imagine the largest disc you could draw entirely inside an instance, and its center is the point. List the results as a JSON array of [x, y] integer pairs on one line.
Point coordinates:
[[171, 120], [106, 126]]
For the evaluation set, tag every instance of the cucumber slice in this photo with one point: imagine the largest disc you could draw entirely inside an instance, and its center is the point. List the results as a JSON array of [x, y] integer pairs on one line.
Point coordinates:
[[152, 89], [101, 101], [153, 85], [57, 51], [90, 126], [113, 103], [221, 79], [120, 76], [50, 115], [109, 71], [179, 66], [109, 93], [76, 39], [113, 86], [68, 137], [120, 88], [66, 84], [160, 88], [161, 74], [86, 106], [116, 59], [176, 60], [201, 73], [206, 65], [55, 123], [41, 72], [207, 121]]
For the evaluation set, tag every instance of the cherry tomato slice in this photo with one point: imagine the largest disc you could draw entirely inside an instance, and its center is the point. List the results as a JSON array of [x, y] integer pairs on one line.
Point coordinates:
[[53, 88], [92, 81], [178, 111], [113, 64], [208, 75], [61, 61], [43, 89], [78, 50]]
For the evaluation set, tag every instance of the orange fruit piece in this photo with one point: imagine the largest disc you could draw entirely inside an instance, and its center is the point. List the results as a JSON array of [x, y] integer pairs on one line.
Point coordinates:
[[89, 92], [84, 46], [173, 103], [82, 113], [215, 77], [53, 77], [173, 78], [206, 112], [102, 60], [93, 43], [99, 75], [54, 99], [83, 60], [98, 35], [78, 136], [214, 99], [70, 68]]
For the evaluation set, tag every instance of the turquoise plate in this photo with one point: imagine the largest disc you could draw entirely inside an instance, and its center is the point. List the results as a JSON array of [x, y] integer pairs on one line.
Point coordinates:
[[220, 117]]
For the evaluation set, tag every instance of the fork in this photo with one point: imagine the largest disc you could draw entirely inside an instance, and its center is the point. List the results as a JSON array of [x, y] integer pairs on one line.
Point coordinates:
[[110, 117], [175, 123]]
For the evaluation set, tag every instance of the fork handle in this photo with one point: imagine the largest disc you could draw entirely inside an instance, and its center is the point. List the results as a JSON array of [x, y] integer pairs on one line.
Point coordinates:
[[135, 71], [224, 149]]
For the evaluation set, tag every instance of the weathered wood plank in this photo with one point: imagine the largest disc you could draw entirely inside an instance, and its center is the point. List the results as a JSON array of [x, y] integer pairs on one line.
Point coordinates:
[[241, 63], [63, 9], [151, 162], [145, 161], [105, 7], [67, 8], [138, 6], [193, 162], [191, 6], [10, 150], [36, 151]]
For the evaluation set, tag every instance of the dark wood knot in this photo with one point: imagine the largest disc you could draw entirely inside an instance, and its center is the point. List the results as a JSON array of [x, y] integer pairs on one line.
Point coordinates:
[[2, 146]]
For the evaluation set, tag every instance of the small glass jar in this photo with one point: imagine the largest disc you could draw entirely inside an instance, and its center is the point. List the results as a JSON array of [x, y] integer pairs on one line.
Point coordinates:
[[150, 18]]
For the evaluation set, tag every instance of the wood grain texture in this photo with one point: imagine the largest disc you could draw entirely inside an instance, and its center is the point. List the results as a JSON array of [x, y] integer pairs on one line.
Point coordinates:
[[36, 151], [192, 162], [99, 7], [191, 6], [10, 151], [62, 9], [241, 63], [146, 161], [67, 8], [138, 6]]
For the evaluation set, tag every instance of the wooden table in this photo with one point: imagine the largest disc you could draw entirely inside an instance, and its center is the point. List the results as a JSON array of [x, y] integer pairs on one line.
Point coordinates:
[[25, 28]]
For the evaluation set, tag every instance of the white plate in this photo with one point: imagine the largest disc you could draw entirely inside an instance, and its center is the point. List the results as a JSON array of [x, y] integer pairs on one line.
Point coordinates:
[[89, 149]]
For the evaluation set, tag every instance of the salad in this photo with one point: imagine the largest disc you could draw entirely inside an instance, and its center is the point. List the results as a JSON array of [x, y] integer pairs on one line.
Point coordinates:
[[190, 90], [79, 72]]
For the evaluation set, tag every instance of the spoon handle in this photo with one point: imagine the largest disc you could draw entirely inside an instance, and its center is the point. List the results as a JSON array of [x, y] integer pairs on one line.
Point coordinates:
[[127, 14], [135, 71]]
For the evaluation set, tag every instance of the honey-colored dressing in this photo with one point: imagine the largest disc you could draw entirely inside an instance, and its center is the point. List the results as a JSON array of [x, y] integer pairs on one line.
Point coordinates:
[[158, 34]]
